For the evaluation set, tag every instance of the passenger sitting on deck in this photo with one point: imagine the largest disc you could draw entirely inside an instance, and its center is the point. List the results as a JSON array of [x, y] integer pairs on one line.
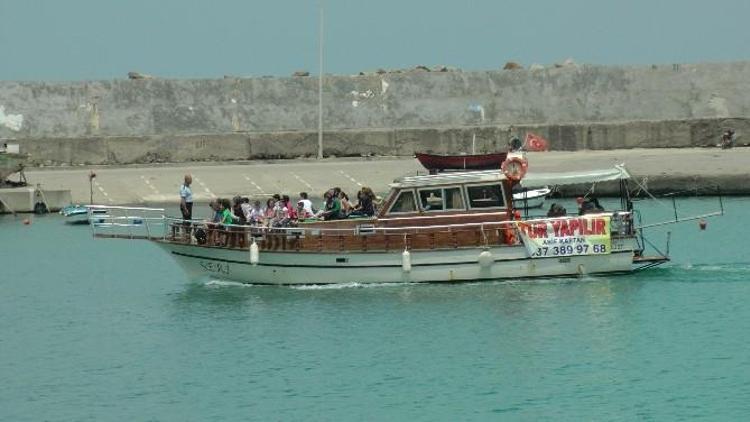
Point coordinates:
[[280, 215], [319, 213], [332, 209], [346, 205], [226, 219], [256, 214], [216, 208], [291, 210], [238, 217], [302, 213], [268, 212], [306, 202], [211, 225], [246, 207], [590, 206], [238, 214], [226, 212], [365, 206], [557, 210]]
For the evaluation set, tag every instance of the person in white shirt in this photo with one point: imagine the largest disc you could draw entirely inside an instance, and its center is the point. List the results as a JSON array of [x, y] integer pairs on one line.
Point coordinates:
[[246, 208], [306, 203], [256, 213]]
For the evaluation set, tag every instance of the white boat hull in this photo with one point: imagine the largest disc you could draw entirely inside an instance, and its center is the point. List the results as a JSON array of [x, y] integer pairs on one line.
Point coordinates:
[[453, 265], [532, 198], [80, 215]]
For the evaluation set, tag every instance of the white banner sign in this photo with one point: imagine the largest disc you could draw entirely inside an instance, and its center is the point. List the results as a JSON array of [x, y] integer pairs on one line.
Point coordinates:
[[567, 236]]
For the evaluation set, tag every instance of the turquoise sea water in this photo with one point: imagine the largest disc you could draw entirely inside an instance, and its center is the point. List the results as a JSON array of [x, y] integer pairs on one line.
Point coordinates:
[[111, 330]]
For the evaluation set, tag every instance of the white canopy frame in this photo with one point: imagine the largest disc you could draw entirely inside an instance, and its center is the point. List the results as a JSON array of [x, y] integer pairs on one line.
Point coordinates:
[[618, 172]]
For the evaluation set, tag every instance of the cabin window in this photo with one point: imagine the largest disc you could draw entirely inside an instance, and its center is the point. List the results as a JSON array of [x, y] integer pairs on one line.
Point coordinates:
[[441, 199], [486, 196], [454, 199], [404, 203], [432, 199]]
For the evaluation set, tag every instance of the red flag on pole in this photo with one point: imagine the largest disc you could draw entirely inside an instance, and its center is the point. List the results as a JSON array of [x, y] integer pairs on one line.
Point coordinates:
[[535, 142]]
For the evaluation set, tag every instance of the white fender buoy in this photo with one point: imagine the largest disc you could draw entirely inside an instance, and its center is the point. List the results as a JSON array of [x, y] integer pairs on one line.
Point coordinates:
[[254, 253], [581, 269], [406, 261], [485, 259]]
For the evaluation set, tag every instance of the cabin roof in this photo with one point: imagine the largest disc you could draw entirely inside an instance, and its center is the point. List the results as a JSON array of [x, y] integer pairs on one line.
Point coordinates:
[[448, 179], [532, 179], [618, 172]]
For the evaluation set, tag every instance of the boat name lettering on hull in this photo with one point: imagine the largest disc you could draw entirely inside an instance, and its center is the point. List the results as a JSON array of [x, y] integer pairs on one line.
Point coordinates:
[[215, 267]]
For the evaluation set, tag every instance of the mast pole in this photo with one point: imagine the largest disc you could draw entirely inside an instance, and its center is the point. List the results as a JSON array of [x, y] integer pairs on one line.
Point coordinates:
[[320, 83]]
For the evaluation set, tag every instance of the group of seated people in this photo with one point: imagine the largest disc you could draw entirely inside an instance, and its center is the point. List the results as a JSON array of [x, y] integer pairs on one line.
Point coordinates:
[[279, 211], [585, 206], [337, 206]]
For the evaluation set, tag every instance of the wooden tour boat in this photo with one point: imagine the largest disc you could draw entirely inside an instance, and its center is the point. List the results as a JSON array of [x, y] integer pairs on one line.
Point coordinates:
[[434, 228]]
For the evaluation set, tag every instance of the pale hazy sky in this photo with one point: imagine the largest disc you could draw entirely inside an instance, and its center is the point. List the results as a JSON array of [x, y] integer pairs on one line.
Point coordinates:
[[104, 39]]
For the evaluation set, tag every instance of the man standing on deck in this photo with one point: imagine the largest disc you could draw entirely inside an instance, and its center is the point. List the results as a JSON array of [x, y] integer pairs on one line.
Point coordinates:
[[186, 198]]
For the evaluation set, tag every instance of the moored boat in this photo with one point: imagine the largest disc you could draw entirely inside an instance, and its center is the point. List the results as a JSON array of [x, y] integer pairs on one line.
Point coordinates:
[[436, 162], [461, 226], [531, 198], [79, 214]]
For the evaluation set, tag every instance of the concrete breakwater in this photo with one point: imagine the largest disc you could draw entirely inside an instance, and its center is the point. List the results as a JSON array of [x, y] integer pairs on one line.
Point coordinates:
[[576, 107], [689, 171]]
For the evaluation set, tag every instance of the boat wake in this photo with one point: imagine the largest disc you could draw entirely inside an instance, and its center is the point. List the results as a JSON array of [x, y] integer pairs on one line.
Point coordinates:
[[351, 285], [739, 267], [225, 283], [697, 273], [218, 283]]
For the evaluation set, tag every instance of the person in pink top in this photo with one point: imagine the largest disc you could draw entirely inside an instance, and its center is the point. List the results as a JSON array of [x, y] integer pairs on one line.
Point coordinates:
[[302, 212], [291, 210], [268, 212]]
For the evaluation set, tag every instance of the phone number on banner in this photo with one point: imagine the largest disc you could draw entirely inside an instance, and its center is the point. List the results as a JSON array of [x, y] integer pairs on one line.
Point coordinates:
[[565, 250]]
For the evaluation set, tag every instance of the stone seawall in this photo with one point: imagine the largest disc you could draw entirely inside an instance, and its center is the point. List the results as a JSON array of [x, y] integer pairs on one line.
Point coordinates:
[[355, 143], [578, 107]]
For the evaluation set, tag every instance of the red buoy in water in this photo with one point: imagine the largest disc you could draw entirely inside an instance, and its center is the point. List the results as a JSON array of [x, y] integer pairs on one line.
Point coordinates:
[[26, 221], [702, 224]]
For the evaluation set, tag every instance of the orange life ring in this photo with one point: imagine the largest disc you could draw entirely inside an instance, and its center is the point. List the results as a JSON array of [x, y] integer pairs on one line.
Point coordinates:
[[515, 168]]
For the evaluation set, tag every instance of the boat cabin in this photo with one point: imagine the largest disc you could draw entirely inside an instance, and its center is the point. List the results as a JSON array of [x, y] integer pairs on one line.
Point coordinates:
[[448, 194]]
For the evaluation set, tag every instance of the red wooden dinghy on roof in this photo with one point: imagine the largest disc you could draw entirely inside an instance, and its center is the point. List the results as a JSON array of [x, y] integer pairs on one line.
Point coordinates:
[[435, 163]]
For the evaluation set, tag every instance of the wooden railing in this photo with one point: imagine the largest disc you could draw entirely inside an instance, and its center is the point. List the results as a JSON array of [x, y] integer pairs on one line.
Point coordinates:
[[359, 238], [151, 223]]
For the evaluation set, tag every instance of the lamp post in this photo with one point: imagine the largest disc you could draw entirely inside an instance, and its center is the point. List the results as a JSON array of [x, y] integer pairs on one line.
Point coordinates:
[[92, 175], [320, 83]]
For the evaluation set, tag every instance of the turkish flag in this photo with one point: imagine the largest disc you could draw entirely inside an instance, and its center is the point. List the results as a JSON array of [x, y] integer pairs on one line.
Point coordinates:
[[535, 142]]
